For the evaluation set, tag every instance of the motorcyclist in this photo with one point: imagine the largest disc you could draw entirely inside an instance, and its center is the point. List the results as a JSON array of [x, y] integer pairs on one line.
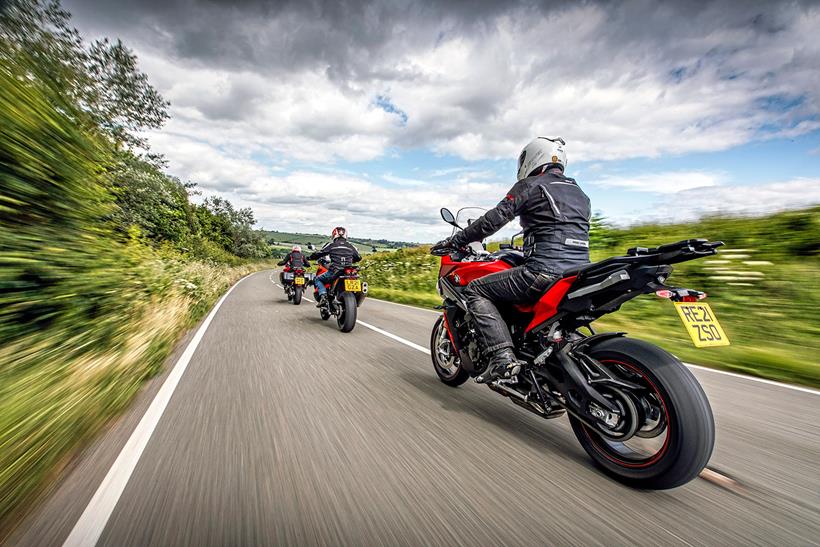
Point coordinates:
[[342, 254], [292, 261], [554, 213]]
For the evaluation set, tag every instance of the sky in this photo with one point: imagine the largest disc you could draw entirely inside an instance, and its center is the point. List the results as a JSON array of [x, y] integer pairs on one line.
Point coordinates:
[[373, 115]]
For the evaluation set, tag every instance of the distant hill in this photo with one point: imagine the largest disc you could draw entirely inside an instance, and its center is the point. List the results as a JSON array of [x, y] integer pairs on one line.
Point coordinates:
[[287, 239]]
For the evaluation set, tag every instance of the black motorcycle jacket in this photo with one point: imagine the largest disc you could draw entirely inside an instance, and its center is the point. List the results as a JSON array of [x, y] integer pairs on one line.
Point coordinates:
[[554, 213], [295, 259], [342, 253]]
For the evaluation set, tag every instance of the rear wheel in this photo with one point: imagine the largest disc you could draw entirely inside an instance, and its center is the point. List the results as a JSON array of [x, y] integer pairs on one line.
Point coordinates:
[[666, 431], [445, 361], [297, 296], [347, 316]]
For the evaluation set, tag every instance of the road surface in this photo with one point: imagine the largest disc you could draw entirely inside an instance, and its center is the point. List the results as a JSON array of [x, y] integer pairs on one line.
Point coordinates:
[[284, 431]]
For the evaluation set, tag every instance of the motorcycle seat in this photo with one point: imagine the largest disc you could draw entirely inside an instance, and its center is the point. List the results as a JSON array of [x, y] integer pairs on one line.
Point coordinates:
[[576, 270]]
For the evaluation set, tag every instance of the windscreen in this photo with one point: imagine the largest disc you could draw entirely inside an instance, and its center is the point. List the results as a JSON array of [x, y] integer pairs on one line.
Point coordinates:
[[467, 215]]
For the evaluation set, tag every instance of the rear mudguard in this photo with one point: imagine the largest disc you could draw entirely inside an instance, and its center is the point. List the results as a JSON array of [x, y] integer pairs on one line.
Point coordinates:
[[581, 345]]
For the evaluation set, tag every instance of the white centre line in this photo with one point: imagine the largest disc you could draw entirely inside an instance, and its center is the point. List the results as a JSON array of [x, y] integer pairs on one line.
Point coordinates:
[[755, 379], [303, 294], [697, 367], [690, 365], [394, 337], [417, 308], [92, 522]]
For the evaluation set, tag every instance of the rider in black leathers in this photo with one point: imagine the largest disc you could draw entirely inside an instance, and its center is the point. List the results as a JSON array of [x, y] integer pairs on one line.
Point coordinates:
[[555, 214], [342, 254], [293, 260]]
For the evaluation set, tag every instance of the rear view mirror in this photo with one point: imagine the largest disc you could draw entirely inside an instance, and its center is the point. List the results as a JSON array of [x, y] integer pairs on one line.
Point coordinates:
[[448, 217]]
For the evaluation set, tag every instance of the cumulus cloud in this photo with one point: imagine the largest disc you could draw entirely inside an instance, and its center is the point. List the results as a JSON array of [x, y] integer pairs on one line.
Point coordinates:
[[732, 200], [396, 207], [661, 183], [257, 86], [478, 79]]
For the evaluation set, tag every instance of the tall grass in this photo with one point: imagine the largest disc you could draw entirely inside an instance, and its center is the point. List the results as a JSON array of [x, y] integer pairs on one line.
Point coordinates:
[[59, 385]]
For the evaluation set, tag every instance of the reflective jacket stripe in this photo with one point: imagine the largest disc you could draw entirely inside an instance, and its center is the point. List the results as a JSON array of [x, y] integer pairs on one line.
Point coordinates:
[[546, 193]]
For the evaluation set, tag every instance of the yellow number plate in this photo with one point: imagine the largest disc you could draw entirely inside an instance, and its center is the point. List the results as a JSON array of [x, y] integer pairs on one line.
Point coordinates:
[[299, 280], [701, 324], [353, 285]]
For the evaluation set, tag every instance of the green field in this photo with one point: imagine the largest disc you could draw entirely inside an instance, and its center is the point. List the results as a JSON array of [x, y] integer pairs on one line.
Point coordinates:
[[282, 242], [764, 287]]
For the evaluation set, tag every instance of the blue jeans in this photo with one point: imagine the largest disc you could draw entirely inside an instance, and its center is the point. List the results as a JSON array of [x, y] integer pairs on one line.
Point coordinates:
[[326, 277]]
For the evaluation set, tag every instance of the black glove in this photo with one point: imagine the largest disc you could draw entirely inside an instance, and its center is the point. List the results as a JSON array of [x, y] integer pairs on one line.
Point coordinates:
[[443, 246]]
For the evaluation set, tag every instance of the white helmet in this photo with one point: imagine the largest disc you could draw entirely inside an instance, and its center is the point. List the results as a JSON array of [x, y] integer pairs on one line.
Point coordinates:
[[539, 152], [296, 249]]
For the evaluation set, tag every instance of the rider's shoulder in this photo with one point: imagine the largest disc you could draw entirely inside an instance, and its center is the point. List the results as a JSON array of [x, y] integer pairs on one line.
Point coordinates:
[[555, 178]]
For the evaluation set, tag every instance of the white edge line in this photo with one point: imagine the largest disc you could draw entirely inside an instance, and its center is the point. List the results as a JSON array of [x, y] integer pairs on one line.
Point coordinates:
[[92, 522], [690, 365]]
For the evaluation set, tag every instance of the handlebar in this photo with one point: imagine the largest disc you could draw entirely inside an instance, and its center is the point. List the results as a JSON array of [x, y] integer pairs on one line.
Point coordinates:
[[443, 251]]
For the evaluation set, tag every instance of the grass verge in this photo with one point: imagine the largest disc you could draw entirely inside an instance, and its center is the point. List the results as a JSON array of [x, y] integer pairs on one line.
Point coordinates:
[[765, 291]]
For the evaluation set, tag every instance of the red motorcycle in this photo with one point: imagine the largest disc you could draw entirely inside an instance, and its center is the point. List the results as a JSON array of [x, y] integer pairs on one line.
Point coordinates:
[[635, 408], [344, 296]]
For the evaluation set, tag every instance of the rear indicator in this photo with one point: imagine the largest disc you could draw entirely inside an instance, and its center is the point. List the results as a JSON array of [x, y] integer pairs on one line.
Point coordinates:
[[663, 293]]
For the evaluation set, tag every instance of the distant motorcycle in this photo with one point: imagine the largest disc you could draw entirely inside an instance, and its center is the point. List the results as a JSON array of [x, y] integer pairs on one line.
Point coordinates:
[[635, 408], [344, 296], [293, 281]]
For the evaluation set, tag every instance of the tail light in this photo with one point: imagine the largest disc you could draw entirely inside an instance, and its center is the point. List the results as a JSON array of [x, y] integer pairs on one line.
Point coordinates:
[[351, 271], [681, 295]]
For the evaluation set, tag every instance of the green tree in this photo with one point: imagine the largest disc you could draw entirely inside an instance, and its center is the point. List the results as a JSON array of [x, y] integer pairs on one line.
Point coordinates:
[[151, 200], [119, 96], [102, 80], [601, 234]]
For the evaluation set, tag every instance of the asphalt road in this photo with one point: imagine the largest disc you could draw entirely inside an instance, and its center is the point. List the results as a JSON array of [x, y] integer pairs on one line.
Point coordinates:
[[282, 430]]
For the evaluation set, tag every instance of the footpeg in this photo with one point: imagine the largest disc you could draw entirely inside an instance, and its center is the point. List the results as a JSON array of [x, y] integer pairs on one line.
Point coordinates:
[[507, 381]]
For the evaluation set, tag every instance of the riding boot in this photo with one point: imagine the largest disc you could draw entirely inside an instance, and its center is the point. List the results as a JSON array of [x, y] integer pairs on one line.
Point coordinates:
[[503, 365]]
